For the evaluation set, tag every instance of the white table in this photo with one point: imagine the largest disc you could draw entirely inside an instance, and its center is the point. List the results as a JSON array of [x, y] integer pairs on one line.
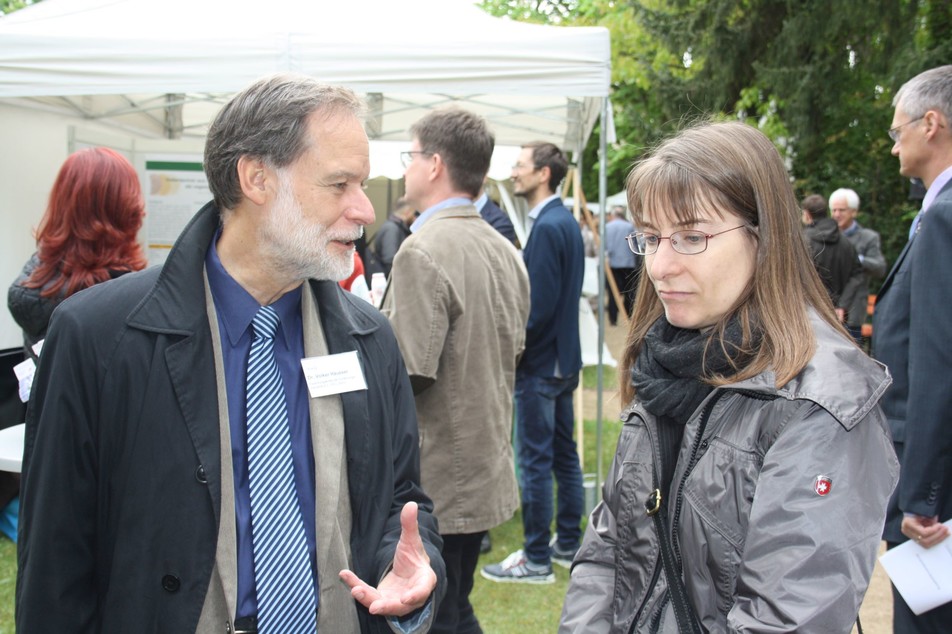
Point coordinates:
[[11, 448]]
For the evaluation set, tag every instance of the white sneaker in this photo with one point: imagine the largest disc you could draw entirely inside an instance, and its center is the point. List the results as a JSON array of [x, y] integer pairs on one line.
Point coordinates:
[[517, 569]]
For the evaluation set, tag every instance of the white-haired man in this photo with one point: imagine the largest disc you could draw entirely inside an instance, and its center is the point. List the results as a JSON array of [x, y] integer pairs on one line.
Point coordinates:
[[844, 206]]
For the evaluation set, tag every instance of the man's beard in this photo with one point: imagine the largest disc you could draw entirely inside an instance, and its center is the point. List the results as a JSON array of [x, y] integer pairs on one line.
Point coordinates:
[[298, 247]]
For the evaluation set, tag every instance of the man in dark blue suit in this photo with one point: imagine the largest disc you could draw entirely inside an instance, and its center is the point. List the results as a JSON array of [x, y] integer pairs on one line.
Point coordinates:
[[912, 331], [548, 373], [496, 217]]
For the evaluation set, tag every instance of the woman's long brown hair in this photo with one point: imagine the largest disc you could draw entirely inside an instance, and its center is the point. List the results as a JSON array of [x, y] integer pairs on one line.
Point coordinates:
[[734, 167]]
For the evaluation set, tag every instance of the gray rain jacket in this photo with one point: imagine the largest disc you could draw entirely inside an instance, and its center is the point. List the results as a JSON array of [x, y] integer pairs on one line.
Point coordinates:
[[777, 504]]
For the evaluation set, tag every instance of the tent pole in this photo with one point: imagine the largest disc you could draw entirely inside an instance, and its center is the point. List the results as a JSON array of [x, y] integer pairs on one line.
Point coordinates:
[[600, 374]]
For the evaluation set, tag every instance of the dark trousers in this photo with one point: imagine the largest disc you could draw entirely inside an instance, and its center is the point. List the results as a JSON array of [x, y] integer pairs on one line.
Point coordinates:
[[627, 282], [460, 554], [935, 621]]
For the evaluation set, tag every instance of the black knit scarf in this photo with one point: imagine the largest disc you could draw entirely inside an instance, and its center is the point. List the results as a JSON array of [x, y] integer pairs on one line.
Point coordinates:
[[668, 373]]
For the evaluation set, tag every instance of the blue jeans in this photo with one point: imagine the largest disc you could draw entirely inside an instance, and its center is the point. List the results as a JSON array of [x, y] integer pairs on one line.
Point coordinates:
[[544, 435]]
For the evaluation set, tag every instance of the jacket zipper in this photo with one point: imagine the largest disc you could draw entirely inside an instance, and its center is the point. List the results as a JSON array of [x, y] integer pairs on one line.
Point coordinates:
[[705, 416], [655, 481], [698, 443], [655, 625]]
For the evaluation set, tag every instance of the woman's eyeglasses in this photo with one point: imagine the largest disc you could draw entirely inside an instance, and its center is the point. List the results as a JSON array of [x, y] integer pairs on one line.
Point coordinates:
[[688, 242]]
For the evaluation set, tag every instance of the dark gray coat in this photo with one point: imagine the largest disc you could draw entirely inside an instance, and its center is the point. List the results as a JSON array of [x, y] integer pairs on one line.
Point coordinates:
[[867, 245], [30, 309], [122, 471], [836, 262]]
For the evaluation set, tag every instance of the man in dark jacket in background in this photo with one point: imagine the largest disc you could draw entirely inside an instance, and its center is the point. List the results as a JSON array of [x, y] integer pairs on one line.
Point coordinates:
[[391, 234], [495, 216], [834, 255]]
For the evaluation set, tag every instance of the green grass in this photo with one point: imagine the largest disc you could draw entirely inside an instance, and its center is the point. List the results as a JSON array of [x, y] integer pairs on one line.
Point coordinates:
[[502, 608], [590, 378], [507, 608], [8, 581]]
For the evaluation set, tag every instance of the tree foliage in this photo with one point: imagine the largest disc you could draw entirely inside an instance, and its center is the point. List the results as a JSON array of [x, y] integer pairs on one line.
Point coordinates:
[[9, 6], [817, 76]]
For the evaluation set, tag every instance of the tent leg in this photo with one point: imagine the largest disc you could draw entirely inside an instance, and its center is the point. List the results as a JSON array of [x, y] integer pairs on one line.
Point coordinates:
[[602, 195], [580, 424]]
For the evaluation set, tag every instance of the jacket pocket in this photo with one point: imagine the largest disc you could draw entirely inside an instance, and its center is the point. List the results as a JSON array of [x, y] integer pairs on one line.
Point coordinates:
[[632, 477], [636, 549], [719, 494]]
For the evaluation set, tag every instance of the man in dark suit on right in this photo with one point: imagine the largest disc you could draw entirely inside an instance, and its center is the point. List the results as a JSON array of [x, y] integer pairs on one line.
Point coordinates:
[[912, 331], [547, 374]]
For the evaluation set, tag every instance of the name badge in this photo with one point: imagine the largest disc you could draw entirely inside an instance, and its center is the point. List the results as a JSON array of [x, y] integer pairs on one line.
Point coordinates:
[[333, 374]]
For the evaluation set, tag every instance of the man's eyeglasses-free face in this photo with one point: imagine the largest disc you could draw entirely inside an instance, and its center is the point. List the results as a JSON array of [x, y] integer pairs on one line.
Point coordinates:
[[895, 133], [687, 242], [407, 157]]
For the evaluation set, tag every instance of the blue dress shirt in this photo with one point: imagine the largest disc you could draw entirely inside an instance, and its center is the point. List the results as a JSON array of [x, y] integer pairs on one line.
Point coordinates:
[[449, 202], [236, 309]]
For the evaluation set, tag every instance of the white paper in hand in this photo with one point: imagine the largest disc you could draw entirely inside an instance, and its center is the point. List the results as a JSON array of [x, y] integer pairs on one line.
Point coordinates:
[[923, 576]]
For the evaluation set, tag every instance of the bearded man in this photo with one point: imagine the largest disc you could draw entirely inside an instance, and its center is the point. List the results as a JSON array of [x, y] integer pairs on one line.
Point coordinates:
[[228, 443]]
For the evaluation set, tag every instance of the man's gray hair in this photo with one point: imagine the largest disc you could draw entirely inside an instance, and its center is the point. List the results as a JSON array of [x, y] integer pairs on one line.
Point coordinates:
[[851, 197], [929, 90], [268, 121]]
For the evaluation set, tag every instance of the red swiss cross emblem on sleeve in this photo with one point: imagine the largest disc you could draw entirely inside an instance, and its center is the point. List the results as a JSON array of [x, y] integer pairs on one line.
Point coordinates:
[[822, 485]]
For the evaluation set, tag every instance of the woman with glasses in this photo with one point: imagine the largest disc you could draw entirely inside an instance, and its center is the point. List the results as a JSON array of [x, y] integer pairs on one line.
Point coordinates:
[[750, 482]]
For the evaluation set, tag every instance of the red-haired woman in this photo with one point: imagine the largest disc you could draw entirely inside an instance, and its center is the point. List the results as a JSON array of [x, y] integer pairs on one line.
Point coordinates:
[[87, 236]]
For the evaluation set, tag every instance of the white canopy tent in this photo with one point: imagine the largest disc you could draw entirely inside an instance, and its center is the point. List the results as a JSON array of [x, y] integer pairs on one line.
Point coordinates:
[[142, 71], [163, 69]]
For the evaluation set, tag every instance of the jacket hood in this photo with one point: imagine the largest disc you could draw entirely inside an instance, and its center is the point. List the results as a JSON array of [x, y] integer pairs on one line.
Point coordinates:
[[840, 378], [824, 230]]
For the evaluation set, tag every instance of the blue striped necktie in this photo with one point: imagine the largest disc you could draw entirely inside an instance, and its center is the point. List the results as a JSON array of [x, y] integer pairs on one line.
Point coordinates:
[[284, 582]]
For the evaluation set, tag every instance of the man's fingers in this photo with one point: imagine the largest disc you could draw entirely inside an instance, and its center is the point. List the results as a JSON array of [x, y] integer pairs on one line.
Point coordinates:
[[389, 607], [350, 579], [924, 531], [363, 593], [408, 521]]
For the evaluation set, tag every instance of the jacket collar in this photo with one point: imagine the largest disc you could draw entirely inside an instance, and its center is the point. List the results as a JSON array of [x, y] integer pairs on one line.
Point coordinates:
[[551, 204], [343, 316], [176, 303], [456, 211], [840, 377]]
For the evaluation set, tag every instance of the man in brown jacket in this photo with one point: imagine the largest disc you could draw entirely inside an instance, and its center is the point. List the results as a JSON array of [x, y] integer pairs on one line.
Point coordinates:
[[458, 300]]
